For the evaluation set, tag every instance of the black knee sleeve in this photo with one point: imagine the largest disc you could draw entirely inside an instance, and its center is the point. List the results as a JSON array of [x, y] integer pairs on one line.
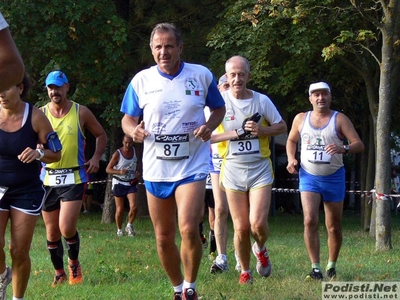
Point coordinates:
[[56, 251], [73, 245]]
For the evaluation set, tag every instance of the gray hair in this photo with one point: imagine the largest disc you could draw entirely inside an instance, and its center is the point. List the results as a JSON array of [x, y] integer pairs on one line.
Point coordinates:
[[245, 60], [167, 27]]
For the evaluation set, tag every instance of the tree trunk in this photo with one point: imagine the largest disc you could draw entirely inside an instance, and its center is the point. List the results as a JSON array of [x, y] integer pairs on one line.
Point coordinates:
[[383, 173], [108, 215]]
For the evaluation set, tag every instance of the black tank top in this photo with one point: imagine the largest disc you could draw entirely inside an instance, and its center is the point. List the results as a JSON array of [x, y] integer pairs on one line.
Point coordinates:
[[13, 172]]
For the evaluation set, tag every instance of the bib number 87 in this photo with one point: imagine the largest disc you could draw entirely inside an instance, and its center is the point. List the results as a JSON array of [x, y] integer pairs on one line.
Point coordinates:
[[171, 149]]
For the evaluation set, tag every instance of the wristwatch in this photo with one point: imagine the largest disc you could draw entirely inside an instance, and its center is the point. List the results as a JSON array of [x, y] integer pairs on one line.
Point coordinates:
[[41, 154], [240, 132], [346, 148]]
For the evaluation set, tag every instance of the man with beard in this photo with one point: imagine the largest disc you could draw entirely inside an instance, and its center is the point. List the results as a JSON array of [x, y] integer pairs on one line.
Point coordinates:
[[65, 181]]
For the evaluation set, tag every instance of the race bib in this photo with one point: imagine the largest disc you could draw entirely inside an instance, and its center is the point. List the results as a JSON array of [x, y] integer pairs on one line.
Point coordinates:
[[245, 147], [208, 182], [3, 190], [317, 155], [60, 177], [172, 146], [217, 163]]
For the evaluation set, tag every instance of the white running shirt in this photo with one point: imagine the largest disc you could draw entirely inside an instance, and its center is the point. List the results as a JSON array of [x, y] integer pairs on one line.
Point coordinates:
[[313, 157], [172, 107], [3, 23]]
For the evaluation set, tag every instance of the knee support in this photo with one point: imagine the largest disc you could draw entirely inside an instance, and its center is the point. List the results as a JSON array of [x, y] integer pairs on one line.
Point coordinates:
[[73, 245], [56, 251]]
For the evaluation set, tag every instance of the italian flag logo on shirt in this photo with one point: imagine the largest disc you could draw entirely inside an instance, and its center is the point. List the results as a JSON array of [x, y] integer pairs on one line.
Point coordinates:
[[192, 87]]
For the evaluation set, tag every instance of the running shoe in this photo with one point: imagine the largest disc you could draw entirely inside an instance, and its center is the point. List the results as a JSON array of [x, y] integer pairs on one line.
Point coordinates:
[[130, 231], [120, 232], [178, 296], [4, 282], [246, 278], [238, 267], [189, 294], [315, 275], [264, 266], [331, 273], [75, 274], [59, 279], [220, 265]]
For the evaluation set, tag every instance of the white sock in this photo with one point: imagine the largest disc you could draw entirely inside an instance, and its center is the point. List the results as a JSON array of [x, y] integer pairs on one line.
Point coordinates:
[[189, 285], [15, 298], [178, 288]]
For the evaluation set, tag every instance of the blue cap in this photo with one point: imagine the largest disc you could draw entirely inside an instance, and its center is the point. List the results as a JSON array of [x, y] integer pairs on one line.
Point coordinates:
[[57, 78]]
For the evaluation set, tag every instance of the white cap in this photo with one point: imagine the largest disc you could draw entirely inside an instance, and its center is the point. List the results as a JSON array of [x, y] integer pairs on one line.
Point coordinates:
[[222, 79], [318, 86]]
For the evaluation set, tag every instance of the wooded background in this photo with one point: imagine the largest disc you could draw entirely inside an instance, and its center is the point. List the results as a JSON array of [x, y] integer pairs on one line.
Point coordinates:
[[352, 45]]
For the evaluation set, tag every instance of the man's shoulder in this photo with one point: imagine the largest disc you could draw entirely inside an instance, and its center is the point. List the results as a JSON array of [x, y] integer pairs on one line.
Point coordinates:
[[145, 72], [196, 67]]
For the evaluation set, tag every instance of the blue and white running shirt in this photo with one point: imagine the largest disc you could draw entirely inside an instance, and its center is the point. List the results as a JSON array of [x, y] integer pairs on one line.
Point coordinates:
[[172, 108]]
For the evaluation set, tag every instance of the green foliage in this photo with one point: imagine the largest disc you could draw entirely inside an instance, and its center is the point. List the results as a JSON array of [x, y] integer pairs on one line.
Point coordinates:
[[85, 39], [283, 41]]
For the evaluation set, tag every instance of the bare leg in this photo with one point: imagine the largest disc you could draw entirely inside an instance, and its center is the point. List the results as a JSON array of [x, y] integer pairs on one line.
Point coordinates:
[[221, 215], [190, 202], [133, 208], [119, 211], [22, 228], [311, 202], [239, 207], [333, 222], [260, 200]]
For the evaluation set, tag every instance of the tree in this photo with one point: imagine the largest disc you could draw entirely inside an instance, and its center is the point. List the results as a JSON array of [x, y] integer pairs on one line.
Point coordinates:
[[85, 39], [285, 39]]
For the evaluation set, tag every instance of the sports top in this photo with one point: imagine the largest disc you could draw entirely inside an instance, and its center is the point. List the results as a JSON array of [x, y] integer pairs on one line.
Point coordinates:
[[251, 148], [3, 22], [172, 107], [313, 157], [13, 172], [127, 164], [73, 141]]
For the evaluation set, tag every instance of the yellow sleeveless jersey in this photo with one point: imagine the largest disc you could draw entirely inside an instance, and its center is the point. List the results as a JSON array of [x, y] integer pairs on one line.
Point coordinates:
[[73, 143]]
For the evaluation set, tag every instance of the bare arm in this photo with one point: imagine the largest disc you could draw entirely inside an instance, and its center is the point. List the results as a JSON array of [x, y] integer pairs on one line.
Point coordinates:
[[346, 129], [272, 130], [42, 126], [112, 163], [131, 128], [291, 143], [89, 121], [11, 65], [204, 131]]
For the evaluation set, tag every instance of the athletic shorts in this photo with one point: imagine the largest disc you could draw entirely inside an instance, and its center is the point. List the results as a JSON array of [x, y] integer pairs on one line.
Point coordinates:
[[28, 198], [121, 190], [64, 193], [164, 190], [244, 177], [332, 188]]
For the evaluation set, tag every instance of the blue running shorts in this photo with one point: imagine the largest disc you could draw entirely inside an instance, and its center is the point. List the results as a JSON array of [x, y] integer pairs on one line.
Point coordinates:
[[332, 188], [164, 190]]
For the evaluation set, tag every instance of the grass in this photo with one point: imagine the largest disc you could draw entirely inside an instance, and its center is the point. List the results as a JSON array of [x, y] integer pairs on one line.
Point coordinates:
[[128, 268]]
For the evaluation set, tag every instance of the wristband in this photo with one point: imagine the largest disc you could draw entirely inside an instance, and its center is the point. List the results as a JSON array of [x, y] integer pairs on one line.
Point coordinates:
[[240, 132], [41, 154], [346, 148]]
